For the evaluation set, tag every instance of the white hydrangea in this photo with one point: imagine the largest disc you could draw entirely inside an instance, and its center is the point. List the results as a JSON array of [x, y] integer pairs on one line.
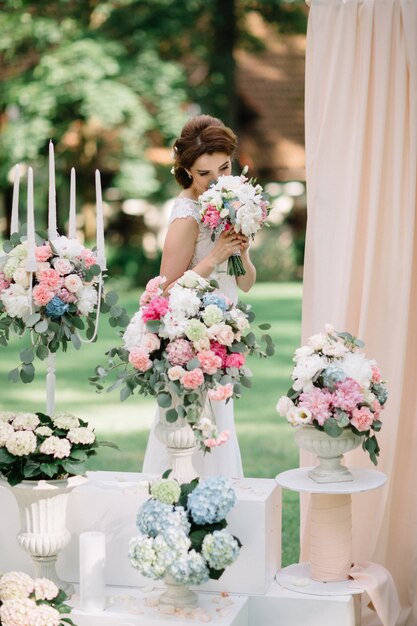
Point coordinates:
[[15, 585], [183, 302], [7, 416], [19, 612], [16, 302], [45, 615], [68, 248], [134, 332], [44, 431], [25, 421], [66, 421], [56, 447], [45, 589], [21, 443], [19, 251], [87, 299], [11, 266], [81, 435], [212, 314], [6, 431]]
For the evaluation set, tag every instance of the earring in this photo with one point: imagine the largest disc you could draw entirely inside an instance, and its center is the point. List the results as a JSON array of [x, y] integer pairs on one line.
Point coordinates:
[[189, 175]]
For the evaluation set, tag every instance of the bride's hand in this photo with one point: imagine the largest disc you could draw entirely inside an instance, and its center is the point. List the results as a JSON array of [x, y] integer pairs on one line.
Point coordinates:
[[227, 244]]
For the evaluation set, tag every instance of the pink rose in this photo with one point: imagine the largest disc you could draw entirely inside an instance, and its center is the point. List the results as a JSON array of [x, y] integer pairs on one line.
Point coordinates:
[[222, 438], [42, 295], [193, 379], [221, 392], [73, 283], [62, 266], [43, 253], [235, 360], [179, 352], [209, 361], [140, 360], [50, 278], [151, 342], [88, 257], [221, 333], [156, 309], [220, 350], [362, 419]]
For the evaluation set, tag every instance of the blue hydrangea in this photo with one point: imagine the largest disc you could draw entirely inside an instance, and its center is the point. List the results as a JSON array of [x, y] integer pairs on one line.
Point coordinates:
[[211, 500], [56, 307], [154, 516], [381, 392], [217, 299], [332, 374], [189, 569], [151, 556], [220, 549]]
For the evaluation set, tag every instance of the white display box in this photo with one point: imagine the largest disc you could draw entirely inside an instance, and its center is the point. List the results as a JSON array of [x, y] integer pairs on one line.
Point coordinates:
[[109, 502]]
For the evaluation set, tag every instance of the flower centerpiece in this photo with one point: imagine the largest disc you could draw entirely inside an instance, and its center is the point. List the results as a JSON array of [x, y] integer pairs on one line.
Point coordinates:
[[336, 389], [183, 537], [234, 202], [55, 302], [35, 446], [25, 601], [185, 347]]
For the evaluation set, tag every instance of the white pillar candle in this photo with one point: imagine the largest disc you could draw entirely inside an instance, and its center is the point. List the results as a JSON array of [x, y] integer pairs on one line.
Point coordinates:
[[92, 564], [72, 226], [52, 231], [14, 223], [31, 258], [101, 254]]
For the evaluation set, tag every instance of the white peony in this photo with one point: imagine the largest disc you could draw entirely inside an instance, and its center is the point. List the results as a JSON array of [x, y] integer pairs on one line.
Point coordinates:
[[87, 300], [6, 431], [248, 219], [25, 421], [56, 447], [357, 366], [191, 280], [81, 435], [305, 370], [318, 341], [284, 404], [16, 302], [21, 443], [336, 349], [297, 416], [183, 302], [303, 352], [134, 332], [68, 248], [173, 326]]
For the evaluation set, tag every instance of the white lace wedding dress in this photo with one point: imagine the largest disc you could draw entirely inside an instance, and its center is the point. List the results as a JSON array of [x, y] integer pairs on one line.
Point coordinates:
[[224, 460]]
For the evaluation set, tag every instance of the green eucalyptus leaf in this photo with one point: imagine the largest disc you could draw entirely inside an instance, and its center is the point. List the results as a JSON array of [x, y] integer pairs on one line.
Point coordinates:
[[76, 341], [33, 319], [41, 327], [27, 355], [27, 373], [164, 400], [14, 375], [171, 416]]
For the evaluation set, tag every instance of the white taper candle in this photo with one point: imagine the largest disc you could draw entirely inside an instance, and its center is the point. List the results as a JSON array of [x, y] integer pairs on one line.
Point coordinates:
[[14, 223], [72, 226], [101, 253], [92, 566], [31, 258], [52, 230]]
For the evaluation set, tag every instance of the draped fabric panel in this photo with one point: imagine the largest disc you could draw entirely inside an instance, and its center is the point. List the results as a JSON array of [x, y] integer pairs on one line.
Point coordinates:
[[361, 245]]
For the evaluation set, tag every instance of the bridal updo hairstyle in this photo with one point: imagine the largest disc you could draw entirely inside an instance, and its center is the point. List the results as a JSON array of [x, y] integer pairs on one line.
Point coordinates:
[[202, 134]]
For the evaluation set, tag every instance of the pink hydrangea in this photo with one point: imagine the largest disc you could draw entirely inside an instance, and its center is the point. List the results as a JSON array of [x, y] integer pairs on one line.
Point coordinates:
[[209, 361], [235, 360], [221, 392], [50, 278], [362, 419], [43, 253], [212, 217], [88, 257], [318, 402], [156, 309], [347, 395], [220, 350], [42, 295], [140, 360], [218, 441], [179, 352], [193, 379], [4, 283]]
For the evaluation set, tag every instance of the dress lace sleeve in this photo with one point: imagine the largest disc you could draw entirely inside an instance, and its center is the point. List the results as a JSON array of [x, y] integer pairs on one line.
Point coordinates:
[[184, 207]]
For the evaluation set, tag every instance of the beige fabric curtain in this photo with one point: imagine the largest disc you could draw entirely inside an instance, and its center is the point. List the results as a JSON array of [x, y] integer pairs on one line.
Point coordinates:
[[361, 248]]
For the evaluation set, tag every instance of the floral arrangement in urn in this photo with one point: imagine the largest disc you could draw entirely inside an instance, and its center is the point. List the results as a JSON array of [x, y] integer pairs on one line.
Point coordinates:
[[182, 531], [56, 301], [184, 347], [34, 446], [25, 601], [336, 387], [234, 202]]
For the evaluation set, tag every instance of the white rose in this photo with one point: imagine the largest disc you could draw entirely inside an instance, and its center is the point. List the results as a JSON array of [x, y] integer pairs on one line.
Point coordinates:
[[284, 404], [201, 344], [298, 416], [73, 283], [151, 342], [221, 333], [176, 372], [62, 266], [21, 277]]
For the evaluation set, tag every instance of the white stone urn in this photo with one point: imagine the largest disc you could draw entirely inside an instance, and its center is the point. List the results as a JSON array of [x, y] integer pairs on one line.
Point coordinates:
[[177, 594], [43, 532], [329, 450], [181, 443]]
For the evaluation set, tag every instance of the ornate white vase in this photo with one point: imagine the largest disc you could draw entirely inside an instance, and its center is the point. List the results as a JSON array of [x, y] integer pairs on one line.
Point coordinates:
[[43, 533], [177, 595], [329, 450], [180, 440]]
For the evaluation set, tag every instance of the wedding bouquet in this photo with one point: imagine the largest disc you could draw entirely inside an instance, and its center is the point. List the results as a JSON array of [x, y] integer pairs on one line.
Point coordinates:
[[184, 347], [54, 303], [183, 531], [34, 446], [234, 202], [335, 387], [25, 601]]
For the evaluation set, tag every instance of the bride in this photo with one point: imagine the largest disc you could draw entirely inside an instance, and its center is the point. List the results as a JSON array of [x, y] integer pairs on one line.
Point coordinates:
[[202, 153]]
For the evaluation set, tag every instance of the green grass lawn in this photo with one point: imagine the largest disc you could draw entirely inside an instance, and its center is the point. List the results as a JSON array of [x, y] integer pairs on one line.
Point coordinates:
[[266, 441]]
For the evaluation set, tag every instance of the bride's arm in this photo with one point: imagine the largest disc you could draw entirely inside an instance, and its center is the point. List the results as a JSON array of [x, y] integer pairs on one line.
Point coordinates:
[[179, 250], [246, 281]]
